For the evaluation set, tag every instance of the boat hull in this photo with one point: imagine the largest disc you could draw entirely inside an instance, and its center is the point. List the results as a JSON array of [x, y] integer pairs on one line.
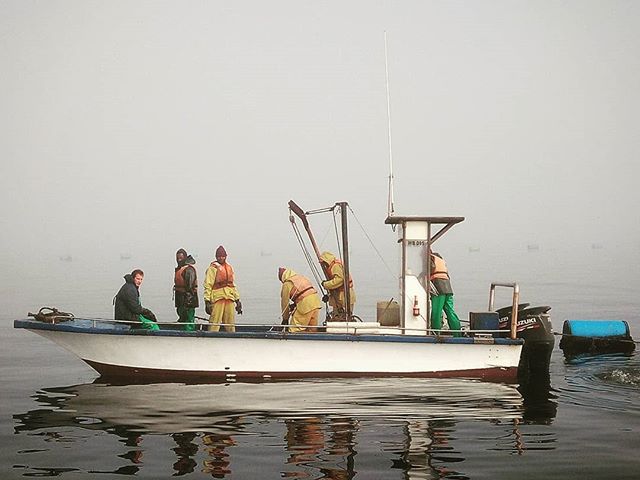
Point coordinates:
[[175, 355]]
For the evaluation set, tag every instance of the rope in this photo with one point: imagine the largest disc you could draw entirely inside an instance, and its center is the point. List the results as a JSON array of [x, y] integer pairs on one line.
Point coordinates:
[[307, 254], [371, 243], [312, 265], [603, 338], [338, 243], [408, 299]]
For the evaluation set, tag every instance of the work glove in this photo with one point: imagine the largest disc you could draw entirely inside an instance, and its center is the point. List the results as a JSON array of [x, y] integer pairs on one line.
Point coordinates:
[[325, 298], [207, 307], [323, 284], [149, 314], [238, 307]]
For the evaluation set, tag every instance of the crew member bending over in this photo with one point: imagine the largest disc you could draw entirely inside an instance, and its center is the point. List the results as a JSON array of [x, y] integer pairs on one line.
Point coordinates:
[[299, 301]]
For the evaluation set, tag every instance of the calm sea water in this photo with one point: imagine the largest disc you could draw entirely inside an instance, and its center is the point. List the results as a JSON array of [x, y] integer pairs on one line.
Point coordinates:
[[58, 419]]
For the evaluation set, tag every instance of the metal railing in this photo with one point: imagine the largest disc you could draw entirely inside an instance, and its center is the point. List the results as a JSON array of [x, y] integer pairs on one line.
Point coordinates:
[[353, 328], [514, 310]]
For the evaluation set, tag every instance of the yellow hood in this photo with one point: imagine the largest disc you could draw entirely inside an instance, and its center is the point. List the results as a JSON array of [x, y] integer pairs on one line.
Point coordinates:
[[287, 274], [327, 257]]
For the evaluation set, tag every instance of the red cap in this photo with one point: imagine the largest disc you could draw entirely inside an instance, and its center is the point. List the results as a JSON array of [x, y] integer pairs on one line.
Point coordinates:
[[221, 252], [280, 272]]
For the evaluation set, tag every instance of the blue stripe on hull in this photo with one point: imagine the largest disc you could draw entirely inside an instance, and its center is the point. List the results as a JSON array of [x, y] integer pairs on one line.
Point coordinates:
[[247, 331]]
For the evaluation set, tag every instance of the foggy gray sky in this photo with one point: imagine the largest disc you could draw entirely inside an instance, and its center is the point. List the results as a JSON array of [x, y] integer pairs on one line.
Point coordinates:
[[144, 126]]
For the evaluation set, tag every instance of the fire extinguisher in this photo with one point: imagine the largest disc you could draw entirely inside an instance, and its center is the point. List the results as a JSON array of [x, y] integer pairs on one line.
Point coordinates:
[[416, 308]]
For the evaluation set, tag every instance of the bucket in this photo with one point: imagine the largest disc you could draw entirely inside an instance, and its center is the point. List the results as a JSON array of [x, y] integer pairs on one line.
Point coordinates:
[[484, 321], [388, 313]]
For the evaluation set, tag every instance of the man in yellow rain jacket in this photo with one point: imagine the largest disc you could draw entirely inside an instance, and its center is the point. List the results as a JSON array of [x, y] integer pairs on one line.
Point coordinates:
[[335, 284], [298, 290], [220, 293]]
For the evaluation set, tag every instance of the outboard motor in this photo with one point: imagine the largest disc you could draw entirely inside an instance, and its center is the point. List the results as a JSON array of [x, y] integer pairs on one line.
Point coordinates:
[[533, 325]]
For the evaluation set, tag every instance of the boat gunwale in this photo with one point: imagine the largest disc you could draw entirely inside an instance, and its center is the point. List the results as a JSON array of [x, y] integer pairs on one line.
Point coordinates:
[[266, 334]]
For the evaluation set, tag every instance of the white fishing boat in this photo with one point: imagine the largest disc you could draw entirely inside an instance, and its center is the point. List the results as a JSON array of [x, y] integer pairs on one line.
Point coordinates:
[[402, 344], [115, 349], [399, 342]]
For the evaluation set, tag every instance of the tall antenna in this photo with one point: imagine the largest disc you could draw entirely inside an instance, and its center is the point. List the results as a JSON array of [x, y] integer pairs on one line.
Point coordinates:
[[390, 209]]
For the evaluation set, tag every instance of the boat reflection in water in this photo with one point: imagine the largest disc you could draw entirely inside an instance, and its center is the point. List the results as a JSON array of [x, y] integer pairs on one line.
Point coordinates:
[[321, 425]]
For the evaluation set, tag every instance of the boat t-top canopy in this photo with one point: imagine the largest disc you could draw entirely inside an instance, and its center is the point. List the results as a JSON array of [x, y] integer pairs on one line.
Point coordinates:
[[415, 218], [417, 221]]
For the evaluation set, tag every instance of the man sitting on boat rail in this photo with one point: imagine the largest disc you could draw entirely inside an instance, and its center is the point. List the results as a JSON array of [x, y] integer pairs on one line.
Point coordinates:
[[299, 301], [127, 303]]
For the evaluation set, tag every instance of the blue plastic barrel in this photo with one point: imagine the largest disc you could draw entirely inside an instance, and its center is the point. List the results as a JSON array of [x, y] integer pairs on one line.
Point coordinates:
[[596, 328]]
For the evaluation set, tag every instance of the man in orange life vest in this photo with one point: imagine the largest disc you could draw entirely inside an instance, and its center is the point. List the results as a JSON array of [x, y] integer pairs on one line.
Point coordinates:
[[441, 294], [298, 290], [185, 288], [220, 293], [335, 284]]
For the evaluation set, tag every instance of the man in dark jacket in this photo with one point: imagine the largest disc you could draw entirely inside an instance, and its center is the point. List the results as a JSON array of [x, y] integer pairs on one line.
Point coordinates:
[[127, 302], [185, 287]]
